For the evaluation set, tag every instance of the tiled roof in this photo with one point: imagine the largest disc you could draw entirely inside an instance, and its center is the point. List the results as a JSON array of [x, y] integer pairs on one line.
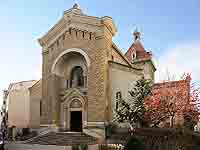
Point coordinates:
[[141, 53]]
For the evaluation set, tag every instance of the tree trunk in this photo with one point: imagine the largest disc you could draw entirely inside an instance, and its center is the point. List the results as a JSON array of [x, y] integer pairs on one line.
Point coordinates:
[[172, 121]]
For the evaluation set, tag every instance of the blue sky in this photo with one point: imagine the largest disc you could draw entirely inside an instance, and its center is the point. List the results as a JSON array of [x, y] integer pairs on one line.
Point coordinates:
[[170, 29]]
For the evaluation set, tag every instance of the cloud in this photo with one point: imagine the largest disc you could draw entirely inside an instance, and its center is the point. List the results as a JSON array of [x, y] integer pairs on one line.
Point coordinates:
[[183, 58]]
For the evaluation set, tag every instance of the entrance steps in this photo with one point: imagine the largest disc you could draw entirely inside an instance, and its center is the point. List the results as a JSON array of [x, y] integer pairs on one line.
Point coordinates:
[[63, 139]]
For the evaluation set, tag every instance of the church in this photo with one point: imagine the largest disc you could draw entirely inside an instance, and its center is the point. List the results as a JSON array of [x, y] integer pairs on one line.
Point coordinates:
[[83, 72]]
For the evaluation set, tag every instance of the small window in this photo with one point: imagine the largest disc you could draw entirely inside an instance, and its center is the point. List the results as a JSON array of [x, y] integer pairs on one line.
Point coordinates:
[[40, 108], [70, 31], [83, 34], [112, 57], [90, 36], [118, 95], [134, 55], [67, 83], [117, 105]]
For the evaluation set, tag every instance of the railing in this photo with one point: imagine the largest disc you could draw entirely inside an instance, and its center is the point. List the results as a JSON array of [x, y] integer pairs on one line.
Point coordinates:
[[159, 139]]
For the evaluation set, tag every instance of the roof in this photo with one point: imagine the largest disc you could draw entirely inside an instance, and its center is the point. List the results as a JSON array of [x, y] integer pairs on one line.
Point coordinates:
[[71, 19], [141, 53], [178, 91], [38, 82], [123, 57], [21, 84], [170, 84], [120, 53], [137, 53]]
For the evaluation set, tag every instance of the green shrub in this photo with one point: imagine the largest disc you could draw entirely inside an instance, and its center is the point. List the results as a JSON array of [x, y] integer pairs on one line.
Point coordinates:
[[135, 143], [110, 128], [80, 147]]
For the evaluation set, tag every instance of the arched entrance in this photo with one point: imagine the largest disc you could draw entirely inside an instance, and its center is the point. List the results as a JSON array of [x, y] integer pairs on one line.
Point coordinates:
[[73, 112], [76, 116]]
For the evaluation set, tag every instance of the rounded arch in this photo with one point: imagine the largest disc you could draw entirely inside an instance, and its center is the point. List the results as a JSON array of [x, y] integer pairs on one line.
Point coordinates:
[[66, 110], [77, 50], [74, 99], [76, 77]]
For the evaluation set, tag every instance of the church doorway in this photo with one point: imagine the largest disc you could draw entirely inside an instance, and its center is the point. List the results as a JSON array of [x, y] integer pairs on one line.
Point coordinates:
[[76, 121]]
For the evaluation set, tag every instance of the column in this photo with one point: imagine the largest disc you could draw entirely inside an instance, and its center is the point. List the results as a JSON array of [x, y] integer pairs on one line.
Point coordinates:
[[55, 100]]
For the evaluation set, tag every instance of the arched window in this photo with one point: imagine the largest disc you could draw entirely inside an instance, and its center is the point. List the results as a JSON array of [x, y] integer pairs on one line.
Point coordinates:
[[40, 108], [134, 55], [77, 78], [118, 97]]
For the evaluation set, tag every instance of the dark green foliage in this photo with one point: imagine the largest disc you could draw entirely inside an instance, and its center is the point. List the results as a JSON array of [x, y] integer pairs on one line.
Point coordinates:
[[132, 110], [134, 143], [80, 147], [110, 128], [189, 123], [25, 131]]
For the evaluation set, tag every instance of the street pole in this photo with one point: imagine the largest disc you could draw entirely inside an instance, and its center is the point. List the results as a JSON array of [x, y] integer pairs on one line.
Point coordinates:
[[4, 118]]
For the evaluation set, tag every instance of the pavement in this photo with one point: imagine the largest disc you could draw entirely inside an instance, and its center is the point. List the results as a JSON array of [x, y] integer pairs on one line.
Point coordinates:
[[20, 146]]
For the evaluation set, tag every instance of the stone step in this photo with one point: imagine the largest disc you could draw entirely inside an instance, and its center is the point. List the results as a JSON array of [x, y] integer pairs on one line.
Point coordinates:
[[64, 138]]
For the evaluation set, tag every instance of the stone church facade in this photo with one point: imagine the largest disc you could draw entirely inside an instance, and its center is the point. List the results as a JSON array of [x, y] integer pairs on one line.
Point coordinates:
[[83, 73], [83, 70]]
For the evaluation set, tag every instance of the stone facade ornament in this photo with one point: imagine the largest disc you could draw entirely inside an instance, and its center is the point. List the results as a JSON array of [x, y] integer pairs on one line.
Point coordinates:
[[76, 104]]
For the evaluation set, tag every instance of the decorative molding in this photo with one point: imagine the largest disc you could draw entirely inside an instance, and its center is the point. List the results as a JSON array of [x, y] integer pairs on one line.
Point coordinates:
[[91, 123], [79, 21], [76, 103], [125, 68], [77, 50]]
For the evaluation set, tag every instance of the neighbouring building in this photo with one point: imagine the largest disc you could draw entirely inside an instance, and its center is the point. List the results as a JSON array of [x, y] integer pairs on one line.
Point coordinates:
[[19, 104], [176, 94]]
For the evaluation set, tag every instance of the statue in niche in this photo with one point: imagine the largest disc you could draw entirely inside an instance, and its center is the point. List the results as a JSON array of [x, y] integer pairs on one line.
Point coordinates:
[[77, 78]]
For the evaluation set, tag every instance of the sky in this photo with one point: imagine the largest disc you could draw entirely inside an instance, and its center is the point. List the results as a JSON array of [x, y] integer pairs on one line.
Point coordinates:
[[170, 30]]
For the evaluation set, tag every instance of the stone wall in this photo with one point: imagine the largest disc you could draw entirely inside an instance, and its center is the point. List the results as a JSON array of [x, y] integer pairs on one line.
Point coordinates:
[[96, 48], [35, 104], [19, 108], [122, 79]]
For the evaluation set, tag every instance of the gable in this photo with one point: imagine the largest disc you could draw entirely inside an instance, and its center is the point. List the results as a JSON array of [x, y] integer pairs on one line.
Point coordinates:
[[79, 21], [69, 93], [118, 56]]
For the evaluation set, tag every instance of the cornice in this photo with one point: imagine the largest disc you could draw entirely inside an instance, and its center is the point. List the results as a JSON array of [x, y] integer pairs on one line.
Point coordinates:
[[145, 60], [121, 54], [82, 22], [56, 28], [125, 67]]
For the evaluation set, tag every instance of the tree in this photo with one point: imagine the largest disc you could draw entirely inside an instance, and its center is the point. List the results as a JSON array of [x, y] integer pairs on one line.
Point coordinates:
[[4, 117], [132, 111], [172, 99]]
